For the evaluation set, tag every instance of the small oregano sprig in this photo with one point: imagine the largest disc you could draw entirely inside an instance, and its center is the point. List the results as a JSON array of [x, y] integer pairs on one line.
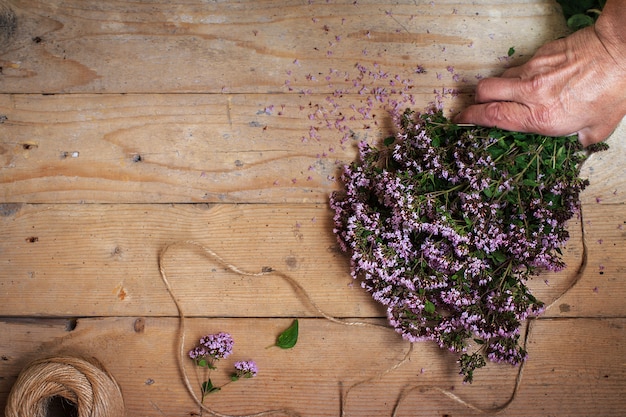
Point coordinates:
[[209, 351], [446, 224]]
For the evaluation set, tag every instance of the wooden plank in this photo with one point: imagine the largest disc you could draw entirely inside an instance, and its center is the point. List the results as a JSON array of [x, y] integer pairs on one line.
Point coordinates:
[[102, 260], [572, 370], [600, 291], [206, 148], [606, 171], [180, 148], [243, 47]]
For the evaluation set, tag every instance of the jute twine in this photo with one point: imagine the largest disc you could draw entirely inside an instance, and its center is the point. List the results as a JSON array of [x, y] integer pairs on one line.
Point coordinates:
[[87, 386]]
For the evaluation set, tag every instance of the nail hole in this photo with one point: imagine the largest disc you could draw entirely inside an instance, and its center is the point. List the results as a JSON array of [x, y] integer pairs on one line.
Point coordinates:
[[71, 325], [140, 325]]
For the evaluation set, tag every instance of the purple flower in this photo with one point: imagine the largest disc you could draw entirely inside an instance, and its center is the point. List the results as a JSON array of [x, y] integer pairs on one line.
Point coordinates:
[[245, 369], [197, 353], [218, 346]]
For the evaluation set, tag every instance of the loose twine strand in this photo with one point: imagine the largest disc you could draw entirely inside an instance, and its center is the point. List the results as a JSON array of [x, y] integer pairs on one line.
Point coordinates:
[[302, 292]]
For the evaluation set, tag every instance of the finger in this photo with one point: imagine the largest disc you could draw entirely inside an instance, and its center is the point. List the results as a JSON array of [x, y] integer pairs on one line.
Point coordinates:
[[497, 89], [586, 138], [514, 72], [504, 115], [591, 135]]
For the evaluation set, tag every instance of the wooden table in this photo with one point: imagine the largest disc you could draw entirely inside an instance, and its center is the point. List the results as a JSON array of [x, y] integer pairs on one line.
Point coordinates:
[[128, 126]]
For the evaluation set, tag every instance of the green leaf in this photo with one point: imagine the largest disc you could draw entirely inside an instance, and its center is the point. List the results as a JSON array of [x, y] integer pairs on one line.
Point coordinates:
[[511, 51], [531, 297], [579, 21], [429, 307], [498, 256], [288, 338], [389, 141], [204, 363], [208, 387]]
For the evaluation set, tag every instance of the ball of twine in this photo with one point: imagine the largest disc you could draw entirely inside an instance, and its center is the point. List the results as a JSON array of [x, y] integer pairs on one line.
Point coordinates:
[[91, 389]]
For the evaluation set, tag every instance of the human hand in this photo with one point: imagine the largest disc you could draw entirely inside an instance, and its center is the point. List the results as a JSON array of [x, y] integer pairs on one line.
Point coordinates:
[[574, 85]]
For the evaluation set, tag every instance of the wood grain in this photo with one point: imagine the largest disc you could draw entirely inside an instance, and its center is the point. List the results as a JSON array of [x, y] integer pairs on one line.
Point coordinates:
[[247, 47], [103, 260], [180, 148], [563, 377]]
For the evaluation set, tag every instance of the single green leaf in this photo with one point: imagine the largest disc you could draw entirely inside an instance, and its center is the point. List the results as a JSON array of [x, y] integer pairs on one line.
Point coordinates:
[[498, 256], [208, 387], [579, 21], [429, 307], [511, 51], [288, 338], [389, 141]]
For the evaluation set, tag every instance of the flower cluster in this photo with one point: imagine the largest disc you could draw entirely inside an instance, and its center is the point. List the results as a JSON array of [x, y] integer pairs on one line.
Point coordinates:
[[245, 369], [445, 224], [211, 349]]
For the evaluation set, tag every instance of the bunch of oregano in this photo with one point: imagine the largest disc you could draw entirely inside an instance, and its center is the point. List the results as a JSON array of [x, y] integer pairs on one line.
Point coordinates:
[[445, 225]]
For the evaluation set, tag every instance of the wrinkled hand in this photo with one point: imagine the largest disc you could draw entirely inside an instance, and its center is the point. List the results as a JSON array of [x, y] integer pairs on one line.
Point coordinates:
[[574, 85]]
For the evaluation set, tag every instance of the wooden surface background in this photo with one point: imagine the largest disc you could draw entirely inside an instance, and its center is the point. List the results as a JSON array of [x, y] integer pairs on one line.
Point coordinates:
[[127, 126]]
